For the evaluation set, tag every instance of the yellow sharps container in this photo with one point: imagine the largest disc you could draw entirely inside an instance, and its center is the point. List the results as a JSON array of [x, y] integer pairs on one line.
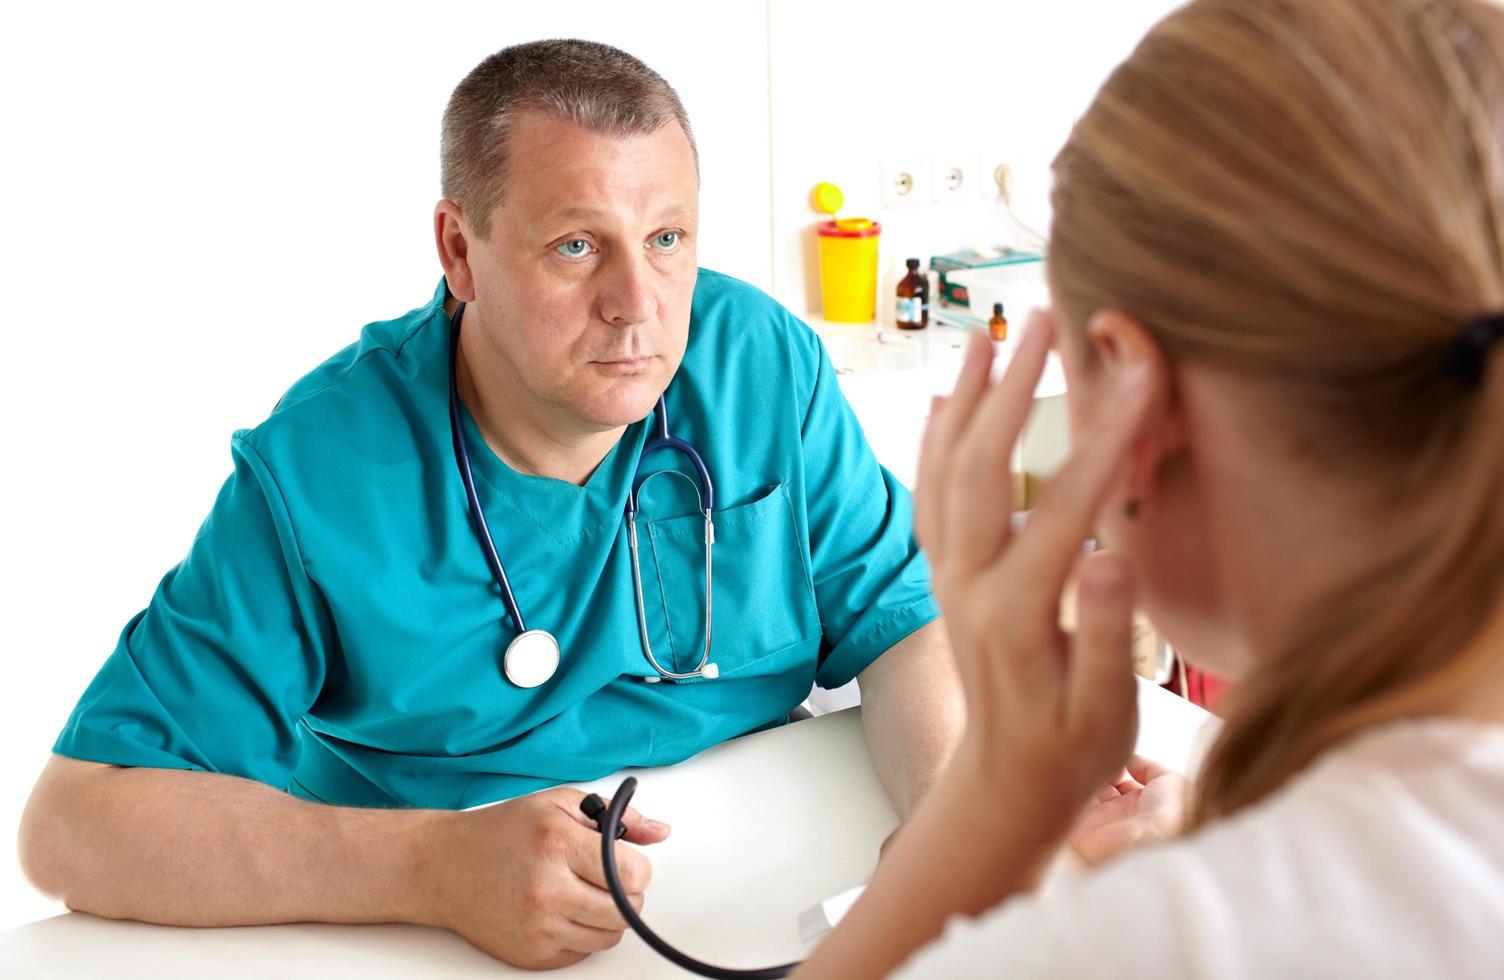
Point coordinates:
[[848, 269]]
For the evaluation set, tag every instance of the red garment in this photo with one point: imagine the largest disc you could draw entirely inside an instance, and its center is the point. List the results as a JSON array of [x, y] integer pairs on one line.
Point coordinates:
[[1201, 687]]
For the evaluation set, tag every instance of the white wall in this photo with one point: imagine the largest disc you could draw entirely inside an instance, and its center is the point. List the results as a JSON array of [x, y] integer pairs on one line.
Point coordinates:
[[202, 201], [857, 82]]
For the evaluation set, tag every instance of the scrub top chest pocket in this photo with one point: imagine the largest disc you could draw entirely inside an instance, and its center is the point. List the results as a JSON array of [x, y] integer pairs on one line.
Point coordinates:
[[764, 601]]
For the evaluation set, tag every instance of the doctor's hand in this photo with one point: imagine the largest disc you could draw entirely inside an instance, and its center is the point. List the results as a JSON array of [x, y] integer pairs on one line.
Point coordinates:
[[1145, 804], [522, 880], [1051, 716]]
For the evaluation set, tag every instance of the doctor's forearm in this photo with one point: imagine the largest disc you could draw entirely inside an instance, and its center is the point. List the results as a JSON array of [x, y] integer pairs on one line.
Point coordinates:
[[912, 713], [202, 849]]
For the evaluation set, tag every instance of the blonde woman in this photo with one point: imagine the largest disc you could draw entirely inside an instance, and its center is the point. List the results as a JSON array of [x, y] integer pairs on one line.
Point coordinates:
[[1277, 262]]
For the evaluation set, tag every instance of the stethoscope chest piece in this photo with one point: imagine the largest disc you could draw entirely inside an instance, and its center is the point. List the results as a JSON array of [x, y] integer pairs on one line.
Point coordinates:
[[531, 658]]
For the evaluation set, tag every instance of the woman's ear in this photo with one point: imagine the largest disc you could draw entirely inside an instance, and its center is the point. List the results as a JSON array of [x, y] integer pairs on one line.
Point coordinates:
[[452, 237], [1121, 346]]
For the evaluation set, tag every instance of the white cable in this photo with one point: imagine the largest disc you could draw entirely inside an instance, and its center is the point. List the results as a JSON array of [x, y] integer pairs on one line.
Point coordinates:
[[1003, 176]]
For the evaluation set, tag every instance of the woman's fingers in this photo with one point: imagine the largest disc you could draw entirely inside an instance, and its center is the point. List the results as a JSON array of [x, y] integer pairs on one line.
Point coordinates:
[[927, 482], [948, 418], [1101, 696], [978, 489], [1034, 569], [1144, 770], [1050, 545]]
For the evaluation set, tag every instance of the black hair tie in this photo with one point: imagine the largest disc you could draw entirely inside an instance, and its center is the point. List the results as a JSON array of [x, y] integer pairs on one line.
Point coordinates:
[[1469, 352]]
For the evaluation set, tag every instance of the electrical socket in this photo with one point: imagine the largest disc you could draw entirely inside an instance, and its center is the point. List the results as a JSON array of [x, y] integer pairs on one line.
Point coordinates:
[[955, 177], [904, 182]]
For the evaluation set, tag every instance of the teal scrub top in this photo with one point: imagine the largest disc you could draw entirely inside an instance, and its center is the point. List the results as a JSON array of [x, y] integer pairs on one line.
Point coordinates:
[[335, 631]]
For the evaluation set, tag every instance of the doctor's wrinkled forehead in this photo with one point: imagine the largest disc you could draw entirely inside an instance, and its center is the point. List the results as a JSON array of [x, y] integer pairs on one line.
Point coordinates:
[[594, 85]]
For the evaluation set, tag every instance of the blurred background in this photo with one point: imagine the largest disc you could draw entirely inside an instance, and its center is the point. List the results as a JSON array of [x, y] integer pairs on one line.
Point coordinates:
[[203, 201]]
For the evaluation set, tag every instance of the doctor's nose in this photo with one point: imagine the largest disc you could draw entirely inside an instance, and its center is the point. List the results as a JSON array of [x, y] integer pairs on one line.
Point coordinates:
[[627, 298]]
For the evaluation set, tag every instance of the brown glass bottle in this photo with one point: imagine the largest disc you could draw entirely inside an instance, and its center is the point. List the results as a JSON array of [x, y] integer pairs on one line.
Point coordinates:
[[912, 312], [997, 327]]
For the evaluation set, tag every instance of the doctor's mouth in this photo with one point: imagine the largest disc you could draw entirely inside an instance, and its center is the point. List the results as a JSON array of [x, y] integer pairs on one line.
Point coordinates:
[[625, 366]]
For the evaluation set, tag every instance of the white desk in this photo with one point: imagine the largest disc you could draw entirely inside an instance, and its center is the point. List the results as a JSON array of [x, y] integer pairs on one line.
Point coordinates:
[[764, 827]]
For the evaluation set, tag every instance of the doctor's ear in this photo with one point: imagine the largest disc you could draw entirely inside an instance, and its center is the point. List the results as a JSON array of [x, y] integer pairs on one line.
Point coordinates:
[[1120, 346], [452, 236]]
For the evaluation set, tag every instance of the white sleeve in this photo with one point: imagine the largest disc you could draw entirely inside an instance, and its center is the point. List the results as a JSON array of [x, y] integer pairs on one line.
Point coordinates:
[[1114, 923], [1349, 873]]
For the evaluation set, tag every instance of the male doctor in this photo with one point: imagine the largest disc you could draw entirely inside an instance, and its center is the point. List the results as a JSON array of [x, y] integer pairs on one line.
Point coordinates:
[[290, 728]]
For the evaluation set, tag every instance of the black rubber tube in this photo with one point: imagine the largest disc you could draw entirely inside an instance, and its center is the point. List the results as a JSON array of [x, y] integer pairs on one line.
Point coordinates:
[[609, 823]]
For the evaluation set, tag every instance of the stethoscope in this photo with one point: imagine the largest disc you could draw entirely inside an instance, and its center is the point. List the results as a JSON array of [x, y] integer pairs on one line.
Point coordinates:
[[533, 655], [608, 822]]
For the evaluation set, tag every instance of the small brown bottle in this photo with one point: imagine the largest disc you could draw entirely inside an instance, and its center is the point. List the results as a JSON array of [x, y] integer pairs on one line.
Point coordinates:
[[913, 308], [997, 327]]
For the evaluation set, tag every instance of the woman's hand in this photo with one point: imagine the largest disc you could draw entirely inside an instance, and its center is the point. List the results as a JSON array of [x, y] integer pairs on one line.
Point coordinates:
[[1051, 717], [1047, 710], [1145, 804]]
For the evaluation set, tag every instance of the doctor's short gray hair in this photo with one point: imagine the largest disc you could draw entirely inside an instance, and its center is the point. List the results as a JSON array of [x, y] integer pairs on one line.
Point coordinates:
[[594, 85]]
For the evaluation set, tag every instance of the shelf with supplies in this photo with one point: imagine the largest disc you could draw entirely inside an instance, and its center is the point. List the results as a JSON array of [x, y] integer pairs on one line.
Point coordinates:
[[889, 375]]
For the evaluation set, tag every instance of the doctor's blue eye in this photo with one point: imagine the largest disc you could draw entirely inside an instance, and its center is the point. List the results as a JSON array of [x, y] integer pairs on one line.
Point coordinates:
[[666, 241], [575, 248]]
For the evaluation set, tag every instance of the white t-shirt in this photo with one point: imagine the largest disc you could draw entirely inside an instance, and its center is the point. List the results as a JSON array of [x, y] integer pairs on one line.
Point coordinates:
[[1384, 859]]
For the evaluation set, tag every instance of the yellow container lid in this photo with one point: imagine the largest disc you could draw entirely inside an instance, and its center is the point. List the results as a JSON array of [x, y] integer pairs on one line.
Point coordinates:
[[827, 198]]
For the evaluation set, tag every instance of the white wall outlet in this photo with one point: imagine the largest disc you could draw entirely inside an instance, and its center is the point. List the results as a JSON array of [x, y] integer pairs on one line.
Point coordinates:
[[905, 182], [955, 176]]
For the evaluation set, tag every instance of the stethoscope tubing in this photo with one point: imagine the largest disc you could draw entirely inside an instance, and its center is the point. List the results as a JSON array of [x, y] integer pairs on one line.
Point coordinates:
[[665, 441], [462, 452], [704, 489], [610, 826], [642, 616]]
